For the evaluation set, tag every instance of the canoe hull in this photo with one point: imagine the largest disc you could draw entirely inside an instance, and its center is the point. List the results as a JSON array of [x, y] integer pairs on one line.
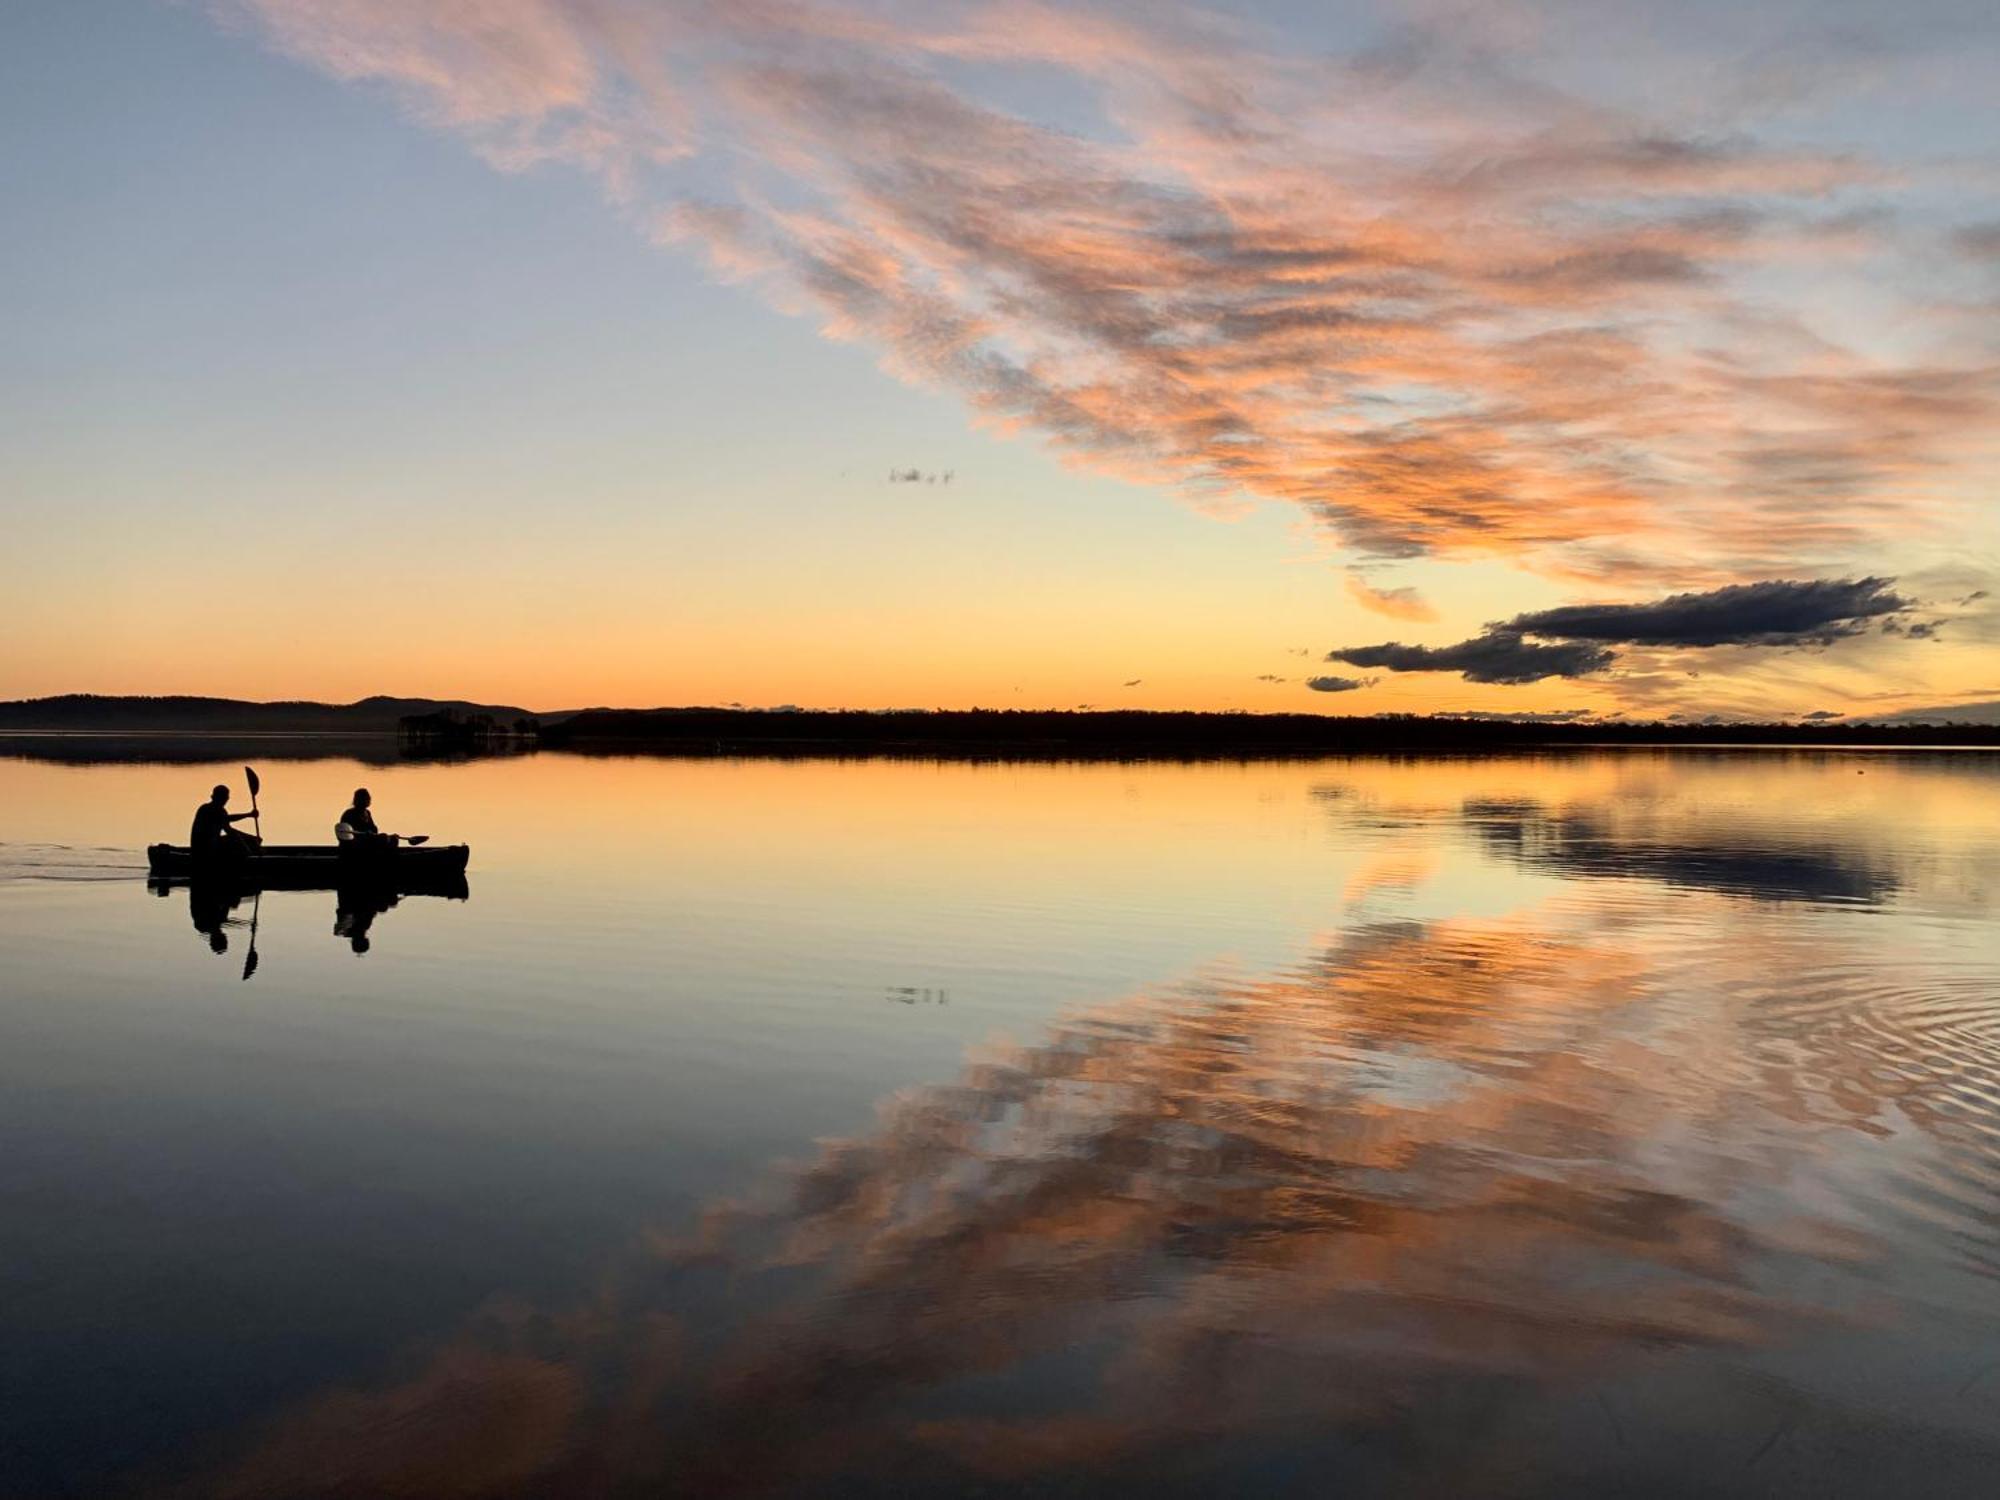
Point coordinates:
[[313, 866]]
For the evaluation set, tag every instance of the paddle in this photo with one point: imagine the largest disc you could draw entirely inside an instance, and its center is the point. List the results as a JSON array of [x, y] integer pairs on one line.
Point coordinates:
[[257, 901]]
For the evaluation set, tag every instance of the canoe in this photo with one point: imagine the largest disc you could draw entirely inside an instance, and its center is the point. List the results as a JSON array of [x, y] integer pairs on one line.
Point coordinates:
[[310, 866]]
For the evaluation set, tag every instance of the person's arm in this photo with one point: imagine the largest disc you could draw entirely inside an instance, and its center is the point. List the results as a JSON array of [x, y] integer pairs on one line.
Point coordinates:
[[239, 817]]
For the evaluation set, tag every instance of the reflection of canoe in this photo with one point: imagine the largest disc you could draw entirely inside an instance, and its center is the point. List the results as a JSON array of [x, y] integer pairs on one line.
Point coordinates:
[[316, 866], [354, 890]]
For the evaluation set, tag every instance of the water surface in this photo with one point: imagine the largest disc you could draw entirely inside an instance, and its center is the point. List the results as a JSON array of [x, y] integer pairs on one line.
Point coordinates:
[[1583, 1123]]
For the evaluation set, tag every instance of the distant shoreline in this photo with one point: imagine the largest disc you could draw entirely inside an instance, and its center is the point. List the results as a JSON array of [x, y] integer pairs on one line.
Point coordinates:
[[382, 748], [434, 724], [1131, 734], [390, 730], [197, 734]]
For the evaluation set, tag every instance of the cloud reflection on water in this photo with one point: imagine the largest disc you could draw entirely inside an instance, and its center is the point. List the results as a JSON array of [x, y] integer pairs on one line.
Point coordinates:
[[1378, 1205], [1584, 840]]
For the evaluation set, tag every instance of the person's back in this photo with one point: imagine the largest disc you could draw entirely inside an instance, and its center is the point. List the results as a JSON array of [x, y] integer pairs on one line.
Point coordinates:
[[361, 822], [210, 827]]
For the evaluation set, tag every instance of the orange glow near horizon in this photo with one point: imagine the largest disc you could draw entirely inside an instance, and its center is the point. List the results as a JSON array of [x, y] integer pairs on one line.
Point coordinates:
[[1235, 653]]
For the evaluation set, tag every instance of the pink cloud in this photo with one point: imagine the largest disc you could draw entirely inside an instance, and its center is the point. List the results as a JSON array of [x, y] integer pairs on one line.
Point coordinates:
[[1438, 307], [1397, 604]]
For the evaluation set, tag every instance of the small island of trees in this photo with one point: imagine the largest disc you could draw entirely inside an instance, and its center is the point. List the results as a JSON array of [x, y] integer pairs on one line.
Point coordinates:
[[448, 729]]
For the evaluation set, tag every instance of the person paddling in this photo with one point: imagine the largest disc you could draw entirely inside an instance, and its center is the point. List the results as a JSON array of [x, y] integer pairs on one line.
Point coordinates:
[[359, 819], [211, 834]]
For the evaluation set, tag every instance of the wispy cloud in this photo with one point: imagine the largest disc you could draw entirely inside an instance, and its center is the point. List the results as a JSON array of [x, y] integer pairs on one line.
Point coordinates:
[[1974, 711], [1397, 604], [1979, 241], [1523, 715], [1439, 306]]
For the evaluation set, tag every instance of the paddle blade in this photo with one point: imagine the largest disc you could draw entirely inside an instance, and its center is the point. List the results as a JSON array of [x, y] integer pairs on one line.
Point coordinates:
[[250, 776], [417, 838], [250, 963]]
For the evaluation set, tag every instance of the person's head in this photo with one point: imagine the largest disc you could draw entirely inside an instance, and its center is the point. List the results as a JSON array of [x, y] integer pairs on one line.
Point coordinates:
[[361, 797], [219, 796]]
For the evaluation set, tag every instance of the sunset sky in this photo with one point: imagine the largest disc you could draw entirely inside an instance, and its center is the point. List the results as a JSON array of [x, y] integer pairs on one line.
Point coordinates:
[[1267, 354]]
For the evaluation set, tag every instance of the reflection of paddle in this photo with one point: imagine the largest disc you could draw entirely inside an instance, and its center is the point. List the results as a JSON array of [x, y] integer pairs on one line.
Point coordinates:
[[250, 776], [256, 906]]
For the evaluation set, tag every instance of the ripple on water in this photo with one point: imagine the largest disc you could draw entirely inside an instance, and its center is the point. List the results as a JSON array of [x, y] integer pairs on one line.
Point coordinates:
[[1889, 1048], [74, 862]]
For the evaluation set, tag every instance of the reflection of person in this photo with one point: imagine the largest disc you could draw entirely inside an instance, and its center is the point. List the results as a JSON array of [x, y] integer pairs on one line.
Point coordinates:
[[209, 908], [362, 822], [211, 834], [355, 912]]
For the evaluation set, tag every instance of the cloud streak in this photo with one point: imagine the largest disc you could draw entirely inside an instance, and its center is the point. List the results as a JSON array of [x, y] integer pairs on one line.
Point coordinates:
[[1438, 307], [1397, 604], [1777, 612], [1496, 657], [1576, 639], [1522, 715]]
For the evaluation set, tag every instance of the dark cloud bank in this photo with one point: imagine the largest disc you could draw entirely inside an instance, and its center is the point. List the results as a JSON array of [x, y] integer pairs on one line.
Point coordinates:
[[1497, 656], [1779, 612], [1576, 640]]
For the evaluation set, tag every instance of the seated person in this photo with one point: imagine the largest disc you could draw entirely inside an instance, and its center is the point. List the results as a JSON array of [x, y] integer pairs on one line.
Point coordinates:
[[362, 821], [211, 834]]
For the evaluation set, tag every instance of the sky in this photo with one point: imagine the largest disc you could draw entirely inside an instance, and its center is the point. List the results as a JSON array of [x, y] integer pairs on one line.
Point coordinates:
[[1530, 356]]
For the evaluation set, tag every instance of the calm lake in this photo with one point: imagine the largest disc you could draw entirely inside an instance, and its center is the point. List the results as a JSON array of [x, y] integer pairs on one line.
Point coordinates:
[[1620, 1123]]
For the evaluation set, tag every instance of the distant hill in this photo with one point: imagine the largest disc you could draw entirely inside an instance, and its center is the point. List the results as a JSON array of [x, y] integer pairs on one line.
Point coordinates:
[[82, 712]]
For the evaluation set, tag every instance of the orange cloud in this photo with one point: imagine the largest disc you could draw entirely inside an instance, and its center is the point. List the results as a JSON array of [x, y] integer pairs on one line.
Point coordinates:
[[1397, 604], [1440, 310]]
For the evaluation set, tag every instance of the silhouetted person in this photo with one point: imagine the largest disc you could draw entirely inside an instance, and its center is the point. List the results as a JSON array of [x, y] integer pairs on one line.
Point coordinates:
[[211, 834], [362, 821]]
